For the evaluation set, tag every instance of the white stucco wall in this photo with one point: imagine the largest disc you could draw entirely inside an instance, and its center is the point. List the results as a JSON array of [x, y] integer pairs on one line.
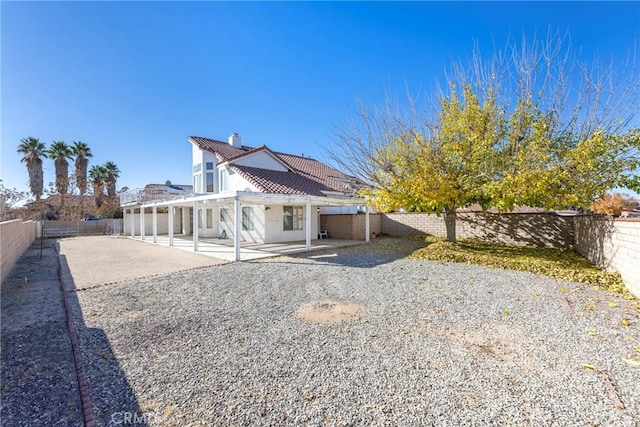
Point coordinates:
[[163, 223], [214, 230], [274, 226], [255, 235], [261, 159], [238, 183]]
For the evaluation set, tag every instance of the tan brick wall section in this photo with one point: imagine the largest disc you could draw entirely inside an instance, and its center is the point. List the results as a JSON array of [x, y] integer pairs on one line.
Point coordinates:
[[611, 244], [350, 226], [15, 237], [531, 229]]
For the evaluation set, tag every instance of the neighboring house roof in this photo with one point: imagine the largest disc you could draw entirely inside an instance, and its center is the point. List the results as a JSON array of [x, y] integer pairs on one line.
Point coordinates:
[[56, 201], [171, 189], [305, 175]]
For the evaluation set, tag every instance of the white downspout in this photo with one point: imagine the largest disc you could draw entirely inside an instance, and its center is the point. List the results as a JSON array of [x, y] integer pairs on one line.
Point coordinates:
[[236, 235], [195, 226], [366, 223], [170, 224], [308, 224], [155, 224], [141, 223]]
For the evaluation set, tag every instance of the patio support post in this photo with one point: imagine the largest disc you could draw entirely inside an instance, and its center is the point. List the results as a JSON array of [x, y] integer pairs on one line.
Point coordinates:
[[133, 222], [141, 223], [366, 223], [236, 225], [155, 224], [308, 224], [195, 226], [185, 221], [170, 224]]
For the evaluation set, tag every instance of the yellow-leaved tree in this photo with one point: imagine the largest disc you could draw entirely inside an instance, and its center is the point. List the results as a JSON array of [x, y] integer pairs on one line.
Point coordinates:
[[531, 125]]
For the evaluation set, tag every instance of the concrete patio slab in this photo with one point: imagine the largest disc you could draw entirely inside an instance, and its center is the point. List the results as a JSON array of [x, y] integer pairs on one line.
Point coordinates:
[[96, 260], [224, 250]]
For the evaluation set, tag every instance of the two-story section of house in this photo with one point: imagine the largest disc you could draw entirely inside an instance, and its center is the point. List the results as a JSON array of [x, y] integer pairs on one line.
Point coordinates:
[[274, 186], [251, 194]]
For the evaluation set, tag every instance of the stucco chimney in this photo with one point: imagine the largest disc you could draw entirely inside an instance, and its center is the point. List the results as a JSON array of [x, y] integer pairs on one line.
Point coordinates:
[[235, 140]]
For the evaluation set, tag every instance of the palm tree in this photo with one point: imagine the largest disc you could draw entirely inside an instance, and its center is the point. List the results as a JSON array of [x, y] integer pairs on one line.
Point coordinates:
[[98, 177], [82, 152], [113, 173], [33, 151], [60, 152]]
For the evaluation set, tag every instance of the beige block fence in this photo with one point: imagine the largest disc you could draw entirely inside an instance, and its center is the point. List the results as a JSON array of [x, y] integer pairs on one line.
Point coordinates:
[[609, 244], [15, 238]]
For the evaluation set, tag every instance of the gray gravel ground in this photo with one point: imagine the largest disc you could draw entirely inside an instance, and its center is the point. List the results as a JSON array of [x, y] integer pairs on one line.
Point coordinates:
[[39, 383], [437, 344]]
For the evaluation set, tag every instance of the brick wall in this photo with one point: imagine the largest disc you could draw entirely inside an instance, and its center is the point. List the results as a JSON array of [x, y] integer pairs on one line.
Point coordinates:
[[350, 226], [17, 236], [611, 244], [530, 229]]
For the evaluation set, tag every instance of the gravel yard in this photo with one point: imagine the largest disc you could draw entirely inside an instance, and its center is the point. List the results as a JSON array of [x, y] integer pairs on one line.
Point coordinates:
[[434, 343]]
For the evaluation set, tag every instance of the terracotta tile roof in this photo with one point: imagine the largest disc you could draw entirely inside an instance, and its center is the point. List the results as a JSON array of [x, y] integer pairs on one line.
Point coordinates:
[[222, 149], [305, 175], [282, 182]]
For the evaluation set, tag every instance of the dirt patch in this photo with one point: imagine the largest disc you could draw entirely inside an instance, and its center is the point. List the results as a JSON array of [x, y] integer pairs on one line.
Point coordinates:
[[327, 312]]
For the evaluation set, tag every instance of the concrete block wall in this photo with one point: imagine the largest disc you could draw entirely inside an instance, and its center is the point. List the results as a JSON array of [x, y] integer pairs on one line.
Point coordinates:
[[350, 226], [611, 244], [360, 227], [337, 226], [411, 224], [15, 238], [540, 229], [521, 229]]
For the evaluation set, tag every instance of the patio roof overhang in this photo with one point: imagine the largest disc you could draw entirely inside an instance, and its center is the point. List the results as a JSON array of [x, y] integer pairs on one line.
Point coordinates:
[[253, 198]]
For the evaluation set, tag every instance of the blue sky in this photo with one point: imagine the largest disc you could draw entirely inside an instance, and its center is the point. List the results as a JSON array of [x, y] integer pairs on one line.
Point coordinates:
[[134, 79]]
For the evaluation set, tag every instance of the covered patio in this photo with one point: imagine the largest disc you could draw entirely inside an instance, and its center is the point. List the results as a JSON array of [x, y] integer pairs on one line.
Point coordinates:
[[229, 234], [224, 248]]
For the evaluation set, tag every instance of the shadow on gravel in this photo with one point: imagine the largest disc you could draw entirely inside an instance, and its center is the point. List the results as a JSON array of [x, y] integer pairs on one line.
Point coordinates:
[[383, 250], [113, 400], [38, 377]]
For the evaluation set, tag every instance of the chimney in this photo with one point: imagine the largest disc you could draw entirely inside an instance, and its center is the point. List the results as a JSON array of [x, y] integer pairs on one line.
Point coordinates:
[[235, 140]]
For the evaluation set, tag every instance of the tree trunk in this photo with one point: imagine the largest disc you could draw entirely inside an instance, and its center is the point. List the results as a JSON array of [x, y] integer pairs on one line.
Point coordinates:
[[34, 167], [81, 174], [450, 223]]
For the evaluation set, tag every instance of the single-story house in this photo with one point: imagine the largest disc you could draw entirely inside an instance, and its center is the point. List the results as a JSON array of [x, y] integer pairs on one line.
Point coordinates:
[[251, 194]]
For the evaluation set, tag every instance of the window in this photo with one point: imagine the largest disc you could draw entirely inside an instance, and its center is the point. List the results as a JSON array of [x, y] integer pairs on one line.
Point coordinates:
[[197, 167], [292, 218], [197, 183], [247, 219], [224, 180], [209, 176], [200, 224], [209, 218], [209, 166], [224, 215]]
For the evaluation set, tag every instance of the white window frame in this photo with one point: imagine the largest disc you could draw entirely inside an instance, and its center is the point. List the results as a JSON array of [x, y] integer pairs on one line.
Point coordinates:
[[296, 216], [248, 216]]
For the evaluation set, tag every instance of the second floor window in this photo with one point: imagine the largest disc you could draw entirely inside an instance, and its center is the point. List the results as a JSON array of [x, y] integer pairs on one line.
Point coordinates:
[[224, 180], [209, 183]]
